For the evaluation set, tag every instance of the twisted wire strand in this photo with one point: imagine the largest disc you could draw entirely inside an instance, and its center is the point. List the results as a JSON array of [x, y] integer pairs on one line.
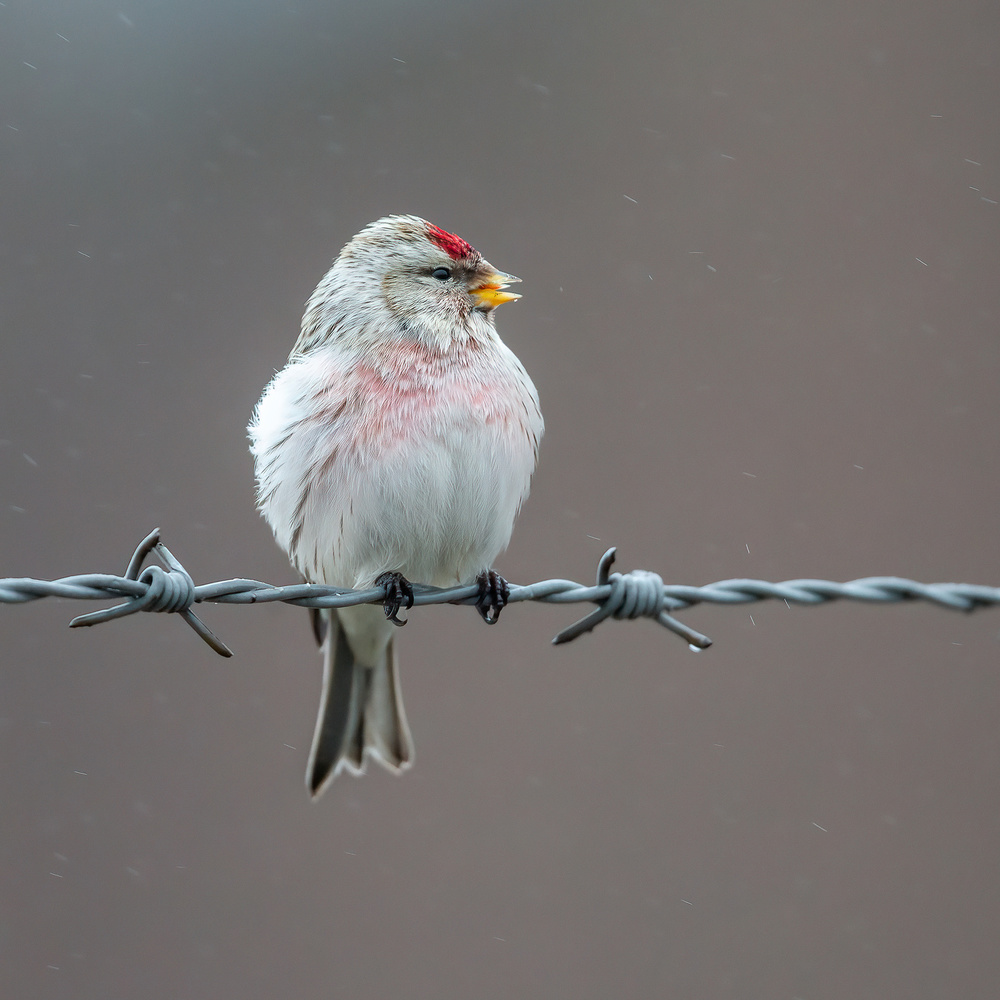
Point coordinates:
[[638, 594]]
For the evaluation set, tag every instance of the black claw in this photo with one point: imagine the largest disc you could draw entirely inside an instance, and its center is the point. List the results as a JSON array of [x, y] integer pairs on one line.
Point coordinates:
[[493, 595], [398, 594]]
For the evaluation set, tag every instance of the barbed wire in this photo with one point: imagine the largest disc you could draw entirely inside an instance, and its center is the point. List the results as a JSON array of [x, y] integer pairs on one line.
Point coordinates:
[[636, 594]]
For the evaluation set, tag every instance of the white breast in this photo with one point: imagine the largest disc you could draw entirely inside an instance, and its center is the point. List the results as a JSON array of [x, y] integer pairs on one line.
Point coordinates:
[[415, 463]]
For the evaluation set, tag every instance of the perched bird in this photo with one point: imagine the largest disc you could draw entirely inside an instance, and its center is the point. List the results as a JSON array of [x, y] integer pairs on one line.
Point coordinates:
[[397, 444]]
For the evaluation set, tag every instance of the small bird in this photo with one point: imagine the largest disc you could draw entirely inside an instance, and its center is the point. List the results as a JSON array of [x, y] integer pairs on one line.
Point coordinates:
[[397, 444]]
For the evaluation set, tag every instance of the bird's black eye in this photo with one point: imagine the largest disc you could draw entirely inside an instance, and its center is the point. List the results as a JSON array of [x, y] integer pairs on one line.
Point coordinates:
[[441, 273]]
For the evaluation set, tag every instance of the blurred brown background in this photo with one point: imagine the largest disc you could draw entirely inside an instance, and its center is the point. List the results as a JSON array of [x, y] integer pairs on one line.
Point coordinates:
[[760, 261]]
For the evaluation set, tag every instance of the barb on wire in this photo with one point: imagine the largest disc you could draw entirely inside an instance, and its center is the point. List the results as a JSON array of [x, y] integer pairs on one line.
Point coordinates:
[[168, 589], [637, 594]]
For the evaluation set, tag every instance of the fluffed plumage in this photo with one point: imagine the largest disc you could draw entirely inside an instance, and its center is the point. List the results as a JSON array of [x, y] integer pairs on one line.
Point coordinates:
[[400, 437]]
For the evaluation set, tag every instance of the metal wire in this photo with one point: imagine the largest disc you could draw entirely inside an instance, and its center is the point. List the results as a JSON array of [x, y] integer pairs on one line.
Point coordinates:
[[637, 594]]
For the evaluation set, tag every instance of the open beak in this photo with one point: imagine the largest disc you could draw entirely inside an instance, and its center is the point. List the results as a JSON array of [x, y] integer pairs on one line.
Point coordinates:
[[489, 293]]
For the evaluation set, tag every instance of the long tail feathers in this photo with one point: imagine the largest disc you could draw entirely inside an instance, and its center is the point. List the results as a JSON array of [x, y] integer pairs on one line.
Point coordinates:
[[360, 712]]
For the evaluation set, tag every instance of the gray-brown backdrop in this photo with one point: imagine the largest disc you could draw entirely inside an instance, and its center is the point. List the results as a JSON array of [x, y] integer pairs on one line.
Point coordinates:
[[760, 261]]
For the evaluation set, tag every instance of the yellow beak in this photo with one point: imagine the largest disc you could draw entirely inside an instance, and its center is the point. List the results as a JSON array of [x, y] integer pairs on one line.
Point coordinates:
[[490, 293]]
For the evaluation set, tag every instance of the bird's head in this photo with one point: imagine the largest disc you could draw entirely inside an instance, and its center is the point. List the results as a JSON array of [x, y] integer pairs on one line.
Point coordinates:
[[404, 277]]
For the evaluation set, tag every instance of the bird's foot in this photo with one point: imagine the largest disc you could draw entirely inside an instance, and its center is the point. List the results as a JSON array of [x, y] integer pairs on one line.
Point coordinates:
[[493, 595], [398, 594]]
